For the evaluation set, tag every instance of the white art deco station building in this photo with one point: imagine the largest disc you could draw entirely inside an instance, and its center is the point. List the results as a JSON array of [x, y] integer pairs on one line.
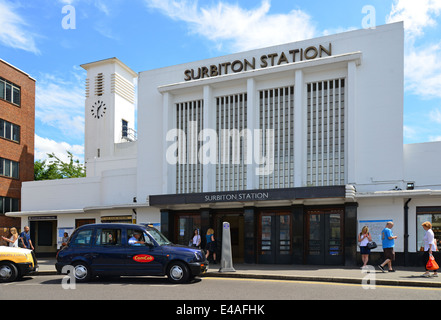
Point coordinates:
[[297, 146]]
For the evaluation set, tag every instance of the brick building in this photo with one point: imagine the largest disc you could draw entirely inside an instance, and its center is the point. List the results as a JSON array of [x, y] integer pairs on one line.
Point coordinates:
[[17, 127]]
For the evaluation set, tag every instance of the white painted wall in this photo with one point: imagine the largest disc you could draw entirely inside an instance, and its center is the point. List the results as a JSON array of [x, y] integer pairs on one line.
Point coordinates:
[[111, 188], [422, 164], [374, 137], [60, 194], [375, 106], [384, 209]]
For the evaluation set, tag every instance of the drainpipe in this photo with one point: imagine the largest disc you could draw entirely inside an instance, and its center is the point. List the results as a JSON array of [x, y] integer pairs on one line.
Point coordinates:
[[406, 232]]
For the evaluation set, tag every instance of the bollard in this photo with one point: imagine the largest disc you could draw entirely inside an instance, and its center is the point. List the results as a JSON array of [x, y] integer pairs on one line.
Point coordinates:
[[227, 258]]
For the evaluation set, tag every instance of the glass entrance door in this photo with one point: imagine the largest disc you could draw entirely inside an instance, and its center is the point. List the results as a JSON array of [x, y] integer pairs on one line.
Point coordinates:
[[275, 246], [324, 243]]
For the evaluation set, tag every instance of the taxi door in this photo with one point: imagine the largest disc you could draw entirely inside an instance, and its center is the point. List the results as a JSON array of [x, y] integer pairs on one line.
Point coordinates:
[[144, 256], [108, 252]]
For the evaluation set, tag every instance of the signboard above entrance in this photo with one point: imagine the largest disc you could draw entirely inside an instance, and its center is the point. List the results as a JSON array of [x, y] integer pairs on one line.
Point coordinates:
[[249, 196], [266, 60]]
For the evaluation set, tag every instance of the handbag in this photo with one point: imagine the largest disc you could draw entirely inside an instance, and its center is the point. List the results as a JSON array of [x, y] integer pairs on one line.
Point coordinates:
[[371, 245], [431, 264]]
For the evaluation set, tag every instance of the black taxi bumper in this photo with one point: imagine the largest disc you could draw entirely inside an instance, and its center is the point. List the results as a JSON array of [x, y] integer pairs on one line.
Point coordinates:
[[198, 268], [27, 268]]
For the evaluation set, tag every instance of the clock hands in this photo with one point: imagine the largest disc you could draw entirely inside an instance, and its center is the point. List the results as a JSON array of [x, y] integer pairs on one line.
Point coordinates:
[[99, 105]]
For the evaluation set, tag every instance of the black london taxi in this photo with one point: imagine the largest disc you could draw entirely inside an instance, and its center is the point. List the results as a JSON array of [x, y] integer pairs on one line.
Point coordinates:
[[128, 250]]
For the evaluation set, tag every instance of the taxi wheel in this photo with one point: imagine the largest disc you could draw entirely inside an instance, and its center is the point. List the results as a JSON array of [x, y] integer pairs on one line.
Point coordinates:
[[8, 272], [178, 272], [82, 272]]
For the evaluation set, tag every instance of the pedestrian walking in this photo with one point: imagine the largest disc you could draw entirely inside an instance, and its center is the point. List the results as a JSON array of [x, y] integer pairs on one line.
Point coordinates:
[[25, 239], [211, 244], [364, 238], [429, 247], [388, 240], [196, 240], [13, 241]]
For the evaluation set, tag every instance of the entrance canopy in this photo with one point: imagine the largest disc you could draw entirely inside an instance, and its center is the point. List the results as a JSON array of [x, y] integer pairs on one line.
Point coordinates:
[[244, 198]]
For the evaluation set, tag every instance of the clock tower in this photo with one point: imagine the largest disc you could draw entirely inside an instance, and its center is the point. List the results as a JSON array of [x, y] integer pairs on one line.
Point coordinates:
[[109, 108]]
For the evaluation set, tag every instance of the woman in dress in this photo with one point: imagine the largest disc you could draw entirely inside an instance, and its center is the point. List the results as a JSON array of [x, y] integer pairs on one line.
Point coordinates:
[[211, 244], [364, 238]]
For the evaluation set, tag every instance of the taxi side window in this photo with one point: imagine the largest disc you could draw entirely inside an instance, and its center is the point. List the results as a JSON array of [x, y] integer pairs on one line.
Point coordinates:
[[148, 241], [137, 238], [82, 238], [108, 237]]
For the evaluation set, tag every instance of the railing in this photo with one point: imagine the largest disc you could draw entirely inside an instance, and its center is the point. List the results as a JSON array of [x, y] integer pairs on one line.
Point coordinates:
[[129, 134]]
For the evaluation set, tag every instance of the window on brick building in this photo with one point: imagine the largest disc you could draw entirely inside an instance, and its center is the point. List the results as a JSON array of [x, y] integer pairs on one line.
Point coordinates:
[[8, 205], [10, 92], [9, 168], [9, 131]]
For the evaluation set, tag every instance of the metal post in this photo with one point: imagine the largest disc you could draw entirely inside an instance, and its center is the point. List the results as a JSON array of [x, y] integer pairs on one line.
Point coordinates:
[[227, 258]]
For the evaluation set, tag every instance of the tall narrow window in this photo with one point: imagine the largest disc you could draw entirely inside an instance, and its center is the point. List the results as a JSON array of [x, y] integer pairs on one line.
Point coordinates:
[[15, 170], [2, 89], [16, 96], [326, 134], [16, 133], [8, 133], [8, 92], [231, 169], [189, 169], [125, 128], [277, 115]]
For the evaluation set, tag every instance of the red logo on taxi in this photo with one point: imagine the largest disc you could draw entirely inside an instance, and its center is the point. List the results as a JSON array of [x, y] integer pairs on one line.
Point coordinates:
[[143, 258]]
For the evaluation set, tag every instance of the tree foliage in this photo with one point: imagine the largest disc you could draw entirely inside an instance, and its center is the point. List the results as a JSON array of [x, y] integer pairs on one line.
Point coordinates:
[[54, 168]]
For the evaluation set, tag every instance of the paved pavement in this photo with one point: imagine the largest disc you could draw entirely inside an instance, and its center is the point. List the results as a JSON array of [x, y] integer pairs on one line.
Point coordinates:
[[404, 276]]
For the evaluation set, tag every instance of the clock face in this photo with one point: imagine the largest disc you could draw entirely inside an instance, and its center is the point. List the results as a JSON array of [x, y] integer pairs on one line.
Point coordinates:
[[98, 109]]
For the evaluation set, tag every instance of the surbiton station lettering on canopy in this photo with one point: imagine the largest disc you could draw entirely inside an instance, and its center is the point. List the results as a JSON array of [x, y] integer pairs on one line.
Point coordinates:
[[267, 60]]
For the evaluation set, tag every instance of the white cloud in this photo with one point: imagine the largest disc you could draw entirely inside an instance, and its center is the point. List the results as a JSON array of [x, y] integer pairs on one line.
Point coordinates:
[[332, 31], [409, 132], [14, 31], [422, 69], [416, 15], [60, 103], [238, 28], [434, 138], [435, 115], [43, 146], [99, 4]]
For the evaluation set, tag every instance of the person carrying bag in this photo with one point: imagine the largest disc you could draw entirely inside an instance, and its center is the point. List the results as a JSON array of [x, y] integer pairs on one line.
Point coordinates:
[[431, 265], [429, 248]]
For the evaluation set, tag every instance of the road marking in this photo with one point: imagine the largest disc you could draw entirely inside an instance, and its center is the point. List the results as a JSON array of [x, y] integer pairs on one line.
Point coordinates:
[[7, 284], [163, 285], [325, 283]]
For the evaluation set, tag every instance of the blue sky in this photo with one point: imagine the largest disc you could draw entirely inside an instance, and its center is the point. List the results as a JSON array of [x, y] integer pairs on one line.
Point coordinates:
[[148, 34]]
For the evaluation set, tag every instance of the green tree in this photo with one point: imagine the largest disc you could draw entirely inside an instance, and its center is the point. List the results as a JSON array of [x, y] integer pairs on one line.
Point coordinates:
[[54, 168]]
